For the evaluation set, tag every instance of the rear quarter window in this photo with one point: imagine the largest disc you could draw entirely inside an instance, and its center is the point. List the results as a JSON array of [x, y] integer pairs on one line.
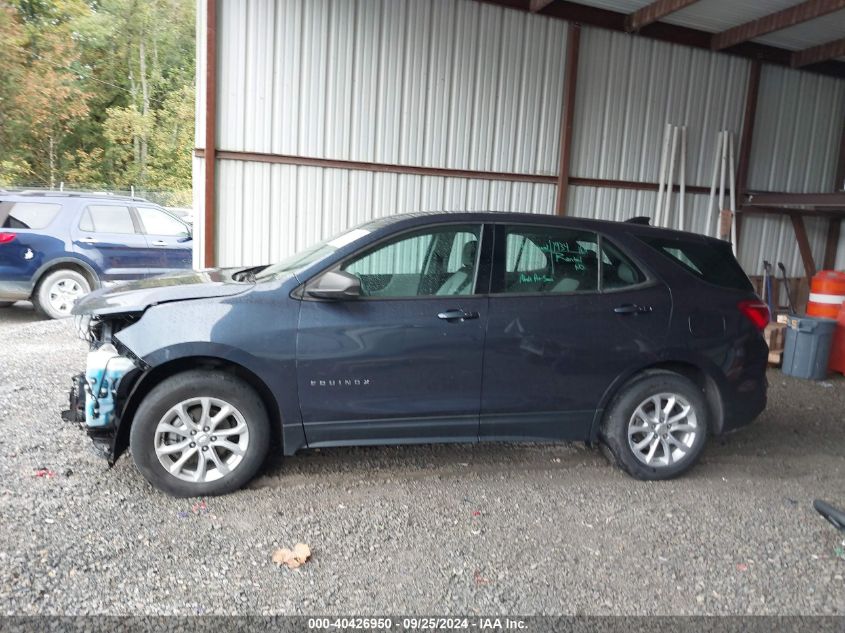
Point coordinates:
[[27, 215], [709, 261]]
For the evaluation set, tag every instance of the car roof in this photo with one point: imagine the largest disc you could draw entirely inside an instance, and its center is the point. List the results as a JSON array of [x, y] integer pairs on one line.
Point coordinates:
[[423, 218], [20, 196]]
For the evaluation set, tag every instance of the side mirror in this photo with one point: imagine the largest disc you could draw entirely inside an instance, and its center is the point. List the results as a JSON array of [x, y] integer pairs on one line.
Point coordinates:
[[334, 284]]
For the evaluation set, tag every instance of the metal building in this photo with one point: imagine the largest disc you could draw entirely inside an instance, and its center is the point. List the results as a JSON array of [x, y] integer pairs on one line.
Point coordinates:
[[314, 115]]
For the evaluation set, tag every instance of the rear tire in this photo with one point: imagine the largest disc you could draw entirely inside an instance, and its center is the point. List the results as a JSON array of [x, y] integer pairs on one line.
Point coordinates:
[[216, 449], [57, 291], [657, 426], [6, 304]]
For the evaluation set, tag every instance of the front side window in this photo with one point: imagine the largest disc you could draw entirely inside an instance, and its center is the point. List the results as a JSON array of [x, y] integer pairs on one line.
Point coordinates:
[[106, 219], [549, 260], [27, 215], [160, 223], [434, 262]]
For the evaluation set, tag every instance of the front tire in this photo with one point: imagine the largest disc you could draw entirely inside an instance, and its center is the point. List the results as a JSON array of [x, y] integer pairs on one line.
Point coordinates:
[[657, 426], [200, 433], [57, 292]]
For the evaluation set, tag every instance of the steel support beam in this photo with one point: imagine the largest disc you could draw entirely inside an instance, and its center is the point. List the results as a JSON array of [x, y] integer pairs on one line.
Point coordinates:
[[839, 184], [820, 53], [807, 10], [803, 244], [535, 6], [654, 12], [209, 215], [685, 36], [567, 116], [749, 117], [834, 225], [832, 200]]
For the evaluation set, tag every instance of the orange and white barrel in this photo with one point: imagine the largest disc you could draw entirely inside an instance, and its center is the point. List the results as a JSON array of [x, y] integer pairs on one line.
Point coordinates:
[[827, 293]]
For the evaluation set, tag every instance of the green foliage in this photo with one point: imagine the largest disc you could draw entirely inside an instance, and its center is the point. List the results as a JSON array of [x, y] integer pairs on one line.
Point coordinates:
[[97, 93]]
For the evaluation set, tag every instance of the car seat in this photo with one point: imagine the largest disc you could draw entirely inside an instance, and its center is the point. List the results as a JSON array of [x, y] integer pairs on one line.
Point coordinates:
[[461, 279]]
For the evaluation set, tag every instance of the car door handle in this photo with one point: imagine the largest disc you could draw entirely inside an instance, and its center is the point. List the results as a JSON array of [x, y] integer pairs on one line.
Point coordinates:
[[88, 240], [159, 243], [457, 315], [632, 308]]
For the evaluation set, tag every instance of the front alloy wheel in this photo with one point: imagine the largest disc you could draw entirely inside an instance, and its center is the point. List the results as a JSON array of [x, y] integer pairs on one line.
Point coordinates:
[[201, 439], [200, 433]]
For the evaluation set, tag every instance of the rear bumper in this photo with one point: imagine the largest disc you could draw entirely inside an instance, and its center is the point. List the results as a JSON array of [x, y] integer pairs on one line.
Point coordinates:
[[745, 395], [15, 290], [747, 402]]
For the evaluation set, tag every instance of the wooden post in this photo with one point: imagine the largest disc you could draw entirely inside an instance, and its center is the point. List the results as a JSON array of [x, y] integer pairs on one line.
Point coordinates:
[[567, 117]]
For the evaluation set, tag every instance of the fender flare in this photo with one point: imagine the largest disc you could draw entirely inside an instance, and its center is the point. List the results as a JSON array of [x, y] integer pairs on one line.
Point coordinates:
[[57, 262], [163, 363], [677, 357]]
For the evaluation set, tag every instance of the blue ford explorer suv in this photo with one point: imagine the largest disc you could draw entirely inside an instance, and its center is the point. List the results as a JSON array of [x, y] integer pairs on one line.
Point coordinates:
[[57, 247], [425, 328]]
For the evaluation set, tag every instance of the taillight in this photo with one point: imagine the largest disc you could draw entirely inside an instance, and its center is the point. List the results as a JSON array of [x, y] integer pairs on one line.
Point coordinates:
[[757, 312], [5, 238]]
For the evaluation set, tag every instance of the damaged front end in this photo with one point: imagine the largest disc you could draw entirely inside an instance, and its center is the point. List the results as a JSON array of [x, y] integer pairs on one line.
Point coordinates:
[[97, 397]]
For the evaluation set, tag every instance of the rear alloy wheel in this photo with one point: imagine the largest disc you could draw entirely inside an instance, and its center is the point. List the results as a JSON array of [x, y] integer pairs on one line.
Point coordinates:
[[656, 427], [200, 433], [58, 291]]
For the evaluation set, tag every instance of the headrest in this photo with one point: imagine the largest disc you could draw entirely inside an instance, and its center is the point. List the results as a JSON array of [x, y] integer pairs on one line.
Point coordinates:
[[468, 254]]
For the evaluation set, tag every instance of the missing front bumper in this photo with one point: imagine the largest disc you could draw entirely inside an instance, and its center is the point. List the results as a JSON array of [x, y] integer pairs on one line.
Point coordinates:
[[102, 437]]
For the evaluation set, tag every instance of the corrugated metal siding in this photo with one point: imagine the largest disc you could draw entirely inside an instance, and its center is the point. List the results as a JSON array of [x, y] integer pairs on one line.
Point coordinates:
[[419, 82], [463, 84], [797, 132], [268, 211], [772, 238], [630, 87], [763, 237]]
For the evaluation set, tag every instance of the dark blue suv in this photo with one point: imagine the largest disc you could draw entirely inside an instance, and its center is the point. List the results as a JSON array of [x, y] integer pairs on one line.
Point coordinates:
[[425, 328], [57, 247]]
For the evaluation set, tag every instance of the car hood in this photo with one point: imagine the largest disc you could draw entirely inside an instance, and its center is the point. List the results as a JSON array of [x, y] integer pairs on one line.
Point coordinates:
[[137, 296]]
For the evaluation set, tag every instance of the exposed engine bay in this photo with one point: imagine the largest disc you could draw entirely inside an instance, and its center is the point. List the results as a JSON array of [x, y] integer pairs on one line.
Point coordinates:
[[97, 395]]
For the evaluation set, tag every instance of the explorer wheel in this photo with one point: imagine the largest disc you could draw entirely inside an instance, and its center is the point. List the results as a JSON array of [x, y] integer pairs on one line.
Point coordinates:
[[657, 426], [56, 293], [200, 433]]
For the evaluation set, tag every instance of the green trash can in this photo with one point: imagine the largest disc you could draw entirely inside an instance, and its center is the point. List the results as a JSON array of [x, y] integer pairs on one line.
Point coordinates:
[[807, 347]]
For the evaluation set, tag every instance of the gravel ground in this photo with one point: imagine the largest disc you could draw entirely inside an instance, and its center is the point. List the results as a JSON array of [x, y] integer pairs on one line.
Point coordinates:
[[433, 529]]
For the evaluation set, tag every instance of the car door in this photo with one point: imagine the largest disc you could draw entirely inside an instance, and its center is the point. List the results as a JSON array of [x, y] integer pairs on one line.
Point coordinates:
[[169, 240], [403, 361], [569, 312], [109, 238]]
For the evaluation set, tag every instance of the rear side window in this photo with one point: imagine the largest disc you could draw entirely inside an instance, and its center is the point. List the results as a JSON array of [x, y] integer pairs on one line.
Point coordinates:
[[715, 265], [27, 215], [106, 219], [549, 260]]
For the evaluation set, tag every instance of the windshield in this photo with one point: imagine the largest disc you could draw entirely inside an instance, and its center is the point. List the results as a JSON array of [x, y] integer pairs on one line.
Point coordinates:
[[312, 254]]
